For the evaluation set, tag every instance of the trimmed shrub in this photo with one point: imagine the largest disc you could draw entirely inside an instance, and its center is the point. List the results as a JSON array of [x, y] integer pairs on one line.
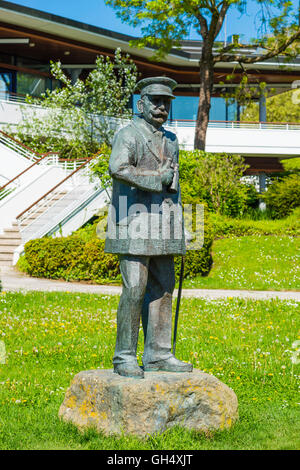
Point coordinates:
[[283, 196], [70, 258]]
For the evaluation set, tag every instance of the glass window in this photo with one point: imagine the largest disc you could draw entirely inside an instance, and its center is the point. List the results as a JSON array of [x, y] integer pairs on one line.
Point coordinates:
[[186, 107], [30, 84], [217, 110], [34, 85], [5, 84]]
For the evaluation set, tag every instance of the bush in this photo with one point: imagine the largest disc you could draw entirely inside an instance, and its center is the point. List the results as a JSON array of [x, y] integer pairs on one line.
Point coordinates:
[[215, 179], [81, 257], [225, 226], [291, 164], [283, 196], [70, 258]]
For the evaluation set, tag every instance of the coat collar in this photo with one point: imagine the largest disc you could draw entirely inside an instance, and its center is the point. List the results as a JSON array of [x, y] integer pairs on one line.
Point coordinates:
[[140, 125]]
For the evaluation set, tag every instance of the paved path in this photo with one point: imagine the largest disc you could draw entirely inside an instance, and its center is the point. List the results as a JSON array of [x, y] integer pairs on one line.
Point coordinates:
[[13, 280]]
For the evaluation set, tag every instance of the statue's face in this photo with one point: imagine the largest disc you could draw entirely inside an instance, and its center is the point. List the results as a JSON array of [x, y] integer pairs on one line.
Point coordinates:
[[155, 109]]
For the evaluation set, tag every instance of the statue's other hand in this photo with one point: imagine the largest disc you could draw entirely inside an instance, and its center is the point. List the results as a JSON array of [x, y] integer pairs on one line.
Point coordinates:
[[167, 176]]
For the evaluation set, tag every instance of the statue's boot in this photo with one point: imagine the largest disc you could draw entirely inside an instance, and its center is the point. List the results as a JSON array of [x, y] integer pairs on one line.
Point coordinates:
[[168, 365], [128, 369]]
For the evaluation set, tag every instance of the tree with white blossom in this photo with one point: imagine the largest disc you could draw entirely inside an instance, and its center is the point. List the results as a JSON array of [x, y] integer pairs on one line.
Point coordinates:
[[76, 119]]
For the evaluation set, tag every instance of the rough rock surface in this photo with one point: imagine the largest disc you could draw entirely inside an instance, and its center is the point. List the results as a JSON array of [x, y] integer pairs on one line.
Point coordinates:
[[114, 405]]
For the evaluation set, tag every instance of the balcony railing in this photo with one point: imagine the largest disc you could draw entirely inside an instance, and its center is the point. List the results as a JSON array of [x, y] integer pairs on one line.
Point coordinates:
[[286, 126], [290, 126], [14, 97]]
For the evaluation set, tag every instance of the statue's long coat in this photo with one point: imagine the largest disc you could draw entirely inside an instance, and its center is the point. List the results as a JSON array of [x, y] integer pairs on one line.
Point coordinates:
[[144, 218]]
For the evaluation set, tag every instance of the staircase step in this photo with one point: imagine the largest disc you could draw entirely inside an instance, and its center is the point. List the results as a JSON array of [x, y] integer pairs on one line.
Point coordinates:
[[6, 262], [6, 256], [29, 220], [11, 231], [9, 241], [6, 249], [59, 196], [10, 236], [14, 236]]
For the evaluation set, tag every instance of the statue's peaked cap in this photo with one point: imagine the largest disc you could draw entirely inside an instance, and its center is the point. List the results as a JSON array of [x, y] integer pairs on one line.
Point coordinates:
[[156, 86]]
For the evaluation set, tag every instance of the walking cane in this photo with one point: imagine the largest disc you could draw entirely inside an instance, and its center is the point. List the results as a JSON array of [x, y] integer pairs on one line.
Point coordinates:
[[178, 303], [173, 188]]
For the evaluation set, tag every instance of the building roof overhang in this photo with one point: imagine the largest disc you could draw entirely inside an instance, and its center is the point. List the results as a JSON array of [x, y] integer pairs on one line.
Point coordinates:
[[55, 35]]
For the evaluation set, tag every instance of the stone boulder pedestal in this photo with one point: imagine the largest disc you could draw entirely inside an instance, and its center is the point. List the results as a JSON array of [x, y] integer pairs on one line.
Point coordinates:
[[113, 404]]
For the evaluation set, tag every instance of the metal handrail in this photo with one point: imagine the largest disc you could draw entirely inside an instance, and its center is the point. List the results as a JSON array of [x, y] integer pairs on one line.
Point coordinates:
[[24, 171], [20, 144], [13, 97], [237, 124], [56, 186], [66, 162], [63, 215]]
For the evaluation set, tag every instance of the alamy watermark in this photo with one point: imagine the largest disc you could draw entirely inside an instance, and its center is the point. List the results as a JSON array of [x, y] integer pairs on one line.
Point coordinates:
[[155, 222]]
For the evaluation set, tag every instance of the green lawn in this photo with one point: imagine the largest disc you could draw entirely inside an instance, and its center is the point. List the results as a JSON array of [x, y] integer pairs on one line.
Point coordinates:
[[49, 337], [253, 262]]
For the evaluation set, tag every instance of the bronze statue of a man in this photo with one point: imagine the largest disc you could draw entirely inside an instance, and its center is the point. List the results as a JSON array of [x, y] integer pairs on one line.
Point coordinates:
[[145, 228]]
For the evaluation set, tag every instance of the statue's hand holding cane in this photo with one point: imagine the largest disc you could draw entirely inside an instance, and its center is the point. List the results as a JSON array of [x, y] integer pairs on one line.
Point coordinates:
[[167, 173], [173, 188]]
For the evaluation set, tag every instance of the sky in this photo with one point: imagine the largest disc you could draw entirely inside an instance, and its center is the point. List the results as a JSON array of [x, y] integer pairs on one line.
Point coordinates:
[[95, 12]]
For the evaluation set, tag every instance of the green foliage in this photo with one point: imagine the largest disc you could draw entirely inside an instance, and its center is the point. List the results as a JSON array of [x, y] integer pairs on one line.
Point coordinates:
[[100, 165], [227, 227], [291, 164], [280, 108], [76, 119], [215, 179], [5, 192], [165, 24], [243, 93], [283, 195]]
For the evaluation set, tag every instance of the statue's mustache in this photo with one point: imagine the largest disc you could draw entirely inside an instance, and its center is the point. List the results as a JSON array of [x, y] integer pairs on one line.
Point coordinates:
[[159, 114]]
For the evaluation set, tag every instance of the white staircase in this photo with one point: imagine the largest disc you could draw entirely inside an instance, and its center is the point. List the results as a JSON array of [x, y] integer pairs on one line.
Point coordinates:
[[49, 196], [11, 238], [9, 242], [27, 176]]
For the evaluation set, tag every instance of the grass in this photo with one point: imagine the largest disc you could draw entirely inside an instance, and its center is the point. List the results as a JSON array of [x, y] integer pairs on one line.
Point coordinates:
[[253, 262], [49, 337]]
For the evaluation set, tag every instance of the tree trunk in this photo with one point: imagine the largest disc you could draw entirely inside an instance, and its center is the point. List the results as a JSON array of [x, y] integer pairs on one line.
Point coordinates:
[[206, 87]]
